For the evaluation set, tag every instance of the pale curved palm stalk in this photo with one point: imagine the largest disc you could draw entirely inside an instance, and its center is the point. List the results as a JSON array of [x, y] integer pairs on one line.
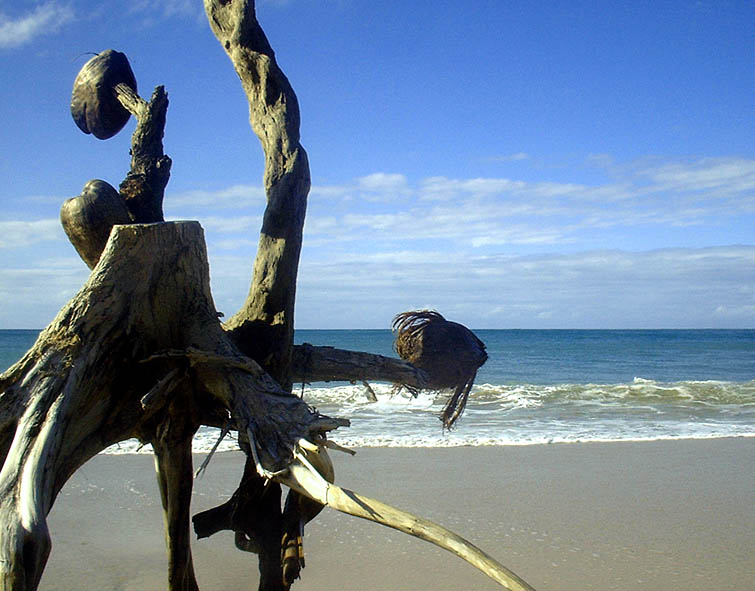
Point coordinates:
[[303, 475]]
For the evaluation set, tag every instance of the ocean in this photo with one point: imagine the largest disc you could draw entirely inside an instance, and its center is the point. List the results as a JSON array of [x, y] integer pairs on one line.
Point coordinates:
[[539, 386]]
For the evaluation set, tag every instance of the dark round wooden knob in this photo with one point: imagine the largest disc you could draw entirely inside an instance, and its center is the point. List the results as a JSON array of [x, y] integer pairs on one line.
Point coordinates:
[[88, 218], [94, 106]]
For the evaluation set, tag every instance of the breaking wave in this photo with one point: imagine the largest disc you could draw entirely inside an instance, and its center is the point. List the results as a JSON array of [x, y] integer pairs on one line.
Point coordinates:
[[523, 414]]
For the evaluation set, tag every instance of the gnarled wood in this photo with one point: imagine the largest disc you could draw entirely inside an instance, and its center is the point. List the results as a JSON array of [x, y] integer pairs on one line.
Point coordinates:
[[267, 315], [80, 389], [144, 185], [327, 364], [175, 475], [264, 326]]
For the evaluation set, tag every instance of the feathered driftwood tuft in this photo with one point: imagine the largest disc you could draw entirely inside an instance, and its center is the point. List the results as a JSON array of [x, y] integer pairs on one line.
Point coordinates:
[[447, 351]]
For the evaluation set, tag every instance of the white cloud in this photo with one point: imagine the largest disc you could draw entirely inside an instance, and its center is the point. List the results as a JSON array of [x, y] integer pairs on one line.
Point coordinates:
[[381, 182], [724, 175], [163, 9], [18, 234], [442, 188], [33, 295], [326, 224], [711, 287], [249, 224], [45, 19], [330, 191], [744, 313], [517, 157], [233, 197], [379, 187], [491, 252], [236, 244]]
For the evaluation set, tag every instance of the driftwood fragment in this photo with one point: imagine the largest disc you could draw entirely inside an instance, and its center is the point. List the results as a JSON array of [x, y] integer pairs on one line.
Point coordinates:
[[327, 364], [267, 315], [308, 474], [264, 326], [144, 186]]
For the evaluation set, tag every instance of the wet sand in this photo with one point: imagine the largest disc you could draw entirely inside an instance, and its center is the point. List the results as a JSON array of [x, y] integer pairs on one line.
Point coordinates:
[[669, 515]]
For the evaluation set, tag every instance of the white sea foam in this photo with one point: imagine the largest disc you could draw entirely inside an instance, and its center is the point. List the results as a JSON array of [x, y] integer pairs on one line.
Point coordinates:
[[526, 414]]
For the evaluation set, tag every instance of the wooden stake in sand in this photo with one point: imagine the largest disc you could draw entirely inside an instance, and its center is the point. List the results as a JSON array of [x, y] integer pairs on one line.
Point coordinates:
[[140, 352]]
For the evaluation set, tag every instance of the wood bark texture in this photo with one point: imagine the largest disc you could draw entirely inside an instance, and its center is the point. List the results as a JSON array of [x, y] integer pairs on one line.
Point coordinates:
[[327, 364], [144, 185], [111, 366], [264, 326]]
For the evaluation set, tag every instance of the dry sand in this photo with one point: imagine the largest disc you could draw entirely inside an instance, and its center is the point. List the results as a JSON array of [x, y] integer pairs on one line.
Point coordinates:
[[673, 515]]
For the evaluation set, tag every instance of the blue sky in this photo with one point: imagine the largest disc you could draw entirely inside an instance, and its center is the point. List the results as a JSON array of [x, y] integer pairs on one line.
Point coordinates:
[[510, 164]]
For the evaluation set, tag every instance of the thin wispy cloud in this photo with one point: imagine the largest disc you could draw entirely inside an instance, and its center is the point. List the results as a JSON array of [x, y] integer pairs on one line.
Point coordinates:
[[381, 182], [517, 157], [43, 20], [484, 212], [501, 211], [383, 187], [233, 197], [231, 225], [38, 288], [157, 10], [724, 175], [17, 234], [599, 288], [488, 251]]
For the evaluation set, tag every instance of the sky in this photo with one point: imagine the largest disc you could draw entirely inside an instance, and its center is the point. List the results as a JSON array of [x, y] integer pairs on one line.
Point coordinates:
[[511, 164]]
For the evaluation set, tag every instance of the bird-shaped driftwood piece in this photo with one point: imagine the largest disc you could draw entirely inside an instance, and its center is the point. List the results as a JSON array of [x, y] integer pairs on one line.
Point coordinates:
[[447, 351]]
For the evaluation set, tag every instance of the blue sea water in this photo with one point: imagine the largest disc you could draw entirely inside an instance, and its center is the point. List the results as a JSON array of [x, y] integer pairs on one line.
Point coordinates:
[[541, 386]]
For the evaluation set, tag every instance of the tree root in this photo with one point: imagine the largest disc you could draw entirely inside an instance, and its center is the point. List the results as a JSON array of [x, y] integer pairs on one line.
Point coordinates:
[[81, 388]]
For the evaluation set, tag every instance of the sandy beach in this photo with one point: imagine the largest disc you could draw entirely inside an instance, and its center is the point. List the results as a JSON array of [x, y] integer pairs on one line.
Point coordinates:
[[667, 515]]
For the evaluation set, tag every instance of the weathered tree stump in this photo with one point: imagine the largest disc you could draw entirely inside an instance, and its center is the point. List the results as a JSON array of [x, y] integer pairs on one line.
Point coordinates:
[[146, 313]]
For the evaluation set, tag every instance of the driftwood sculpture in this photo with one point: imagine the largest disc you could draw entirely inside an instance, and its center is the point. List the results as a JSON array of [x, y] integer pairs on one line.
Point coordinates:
[[140, 351]]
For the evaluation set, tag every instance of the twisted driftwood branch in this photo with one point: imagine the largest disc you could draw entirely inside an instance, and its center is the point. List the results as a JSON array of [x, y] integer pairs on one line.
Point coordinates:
[[267, 315], [328, 364], [264, 327], [144, 185], [309, 474]]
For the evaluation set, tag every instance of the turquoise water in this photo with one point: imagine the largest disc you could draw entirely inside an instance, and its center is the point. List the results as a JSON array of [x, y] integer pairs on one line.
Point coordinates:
[[542, 386]]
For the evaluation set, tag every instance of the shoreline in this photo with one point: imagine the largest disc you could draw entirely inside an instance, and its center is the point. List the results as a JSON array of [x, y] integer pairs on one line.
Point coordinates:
[[668, 514], [137, 449]]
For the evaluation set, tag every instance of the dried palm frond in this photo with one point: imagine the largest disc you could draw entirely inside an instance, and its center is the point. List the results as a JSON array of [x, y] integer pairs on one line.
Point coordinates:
[[447, 351]]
